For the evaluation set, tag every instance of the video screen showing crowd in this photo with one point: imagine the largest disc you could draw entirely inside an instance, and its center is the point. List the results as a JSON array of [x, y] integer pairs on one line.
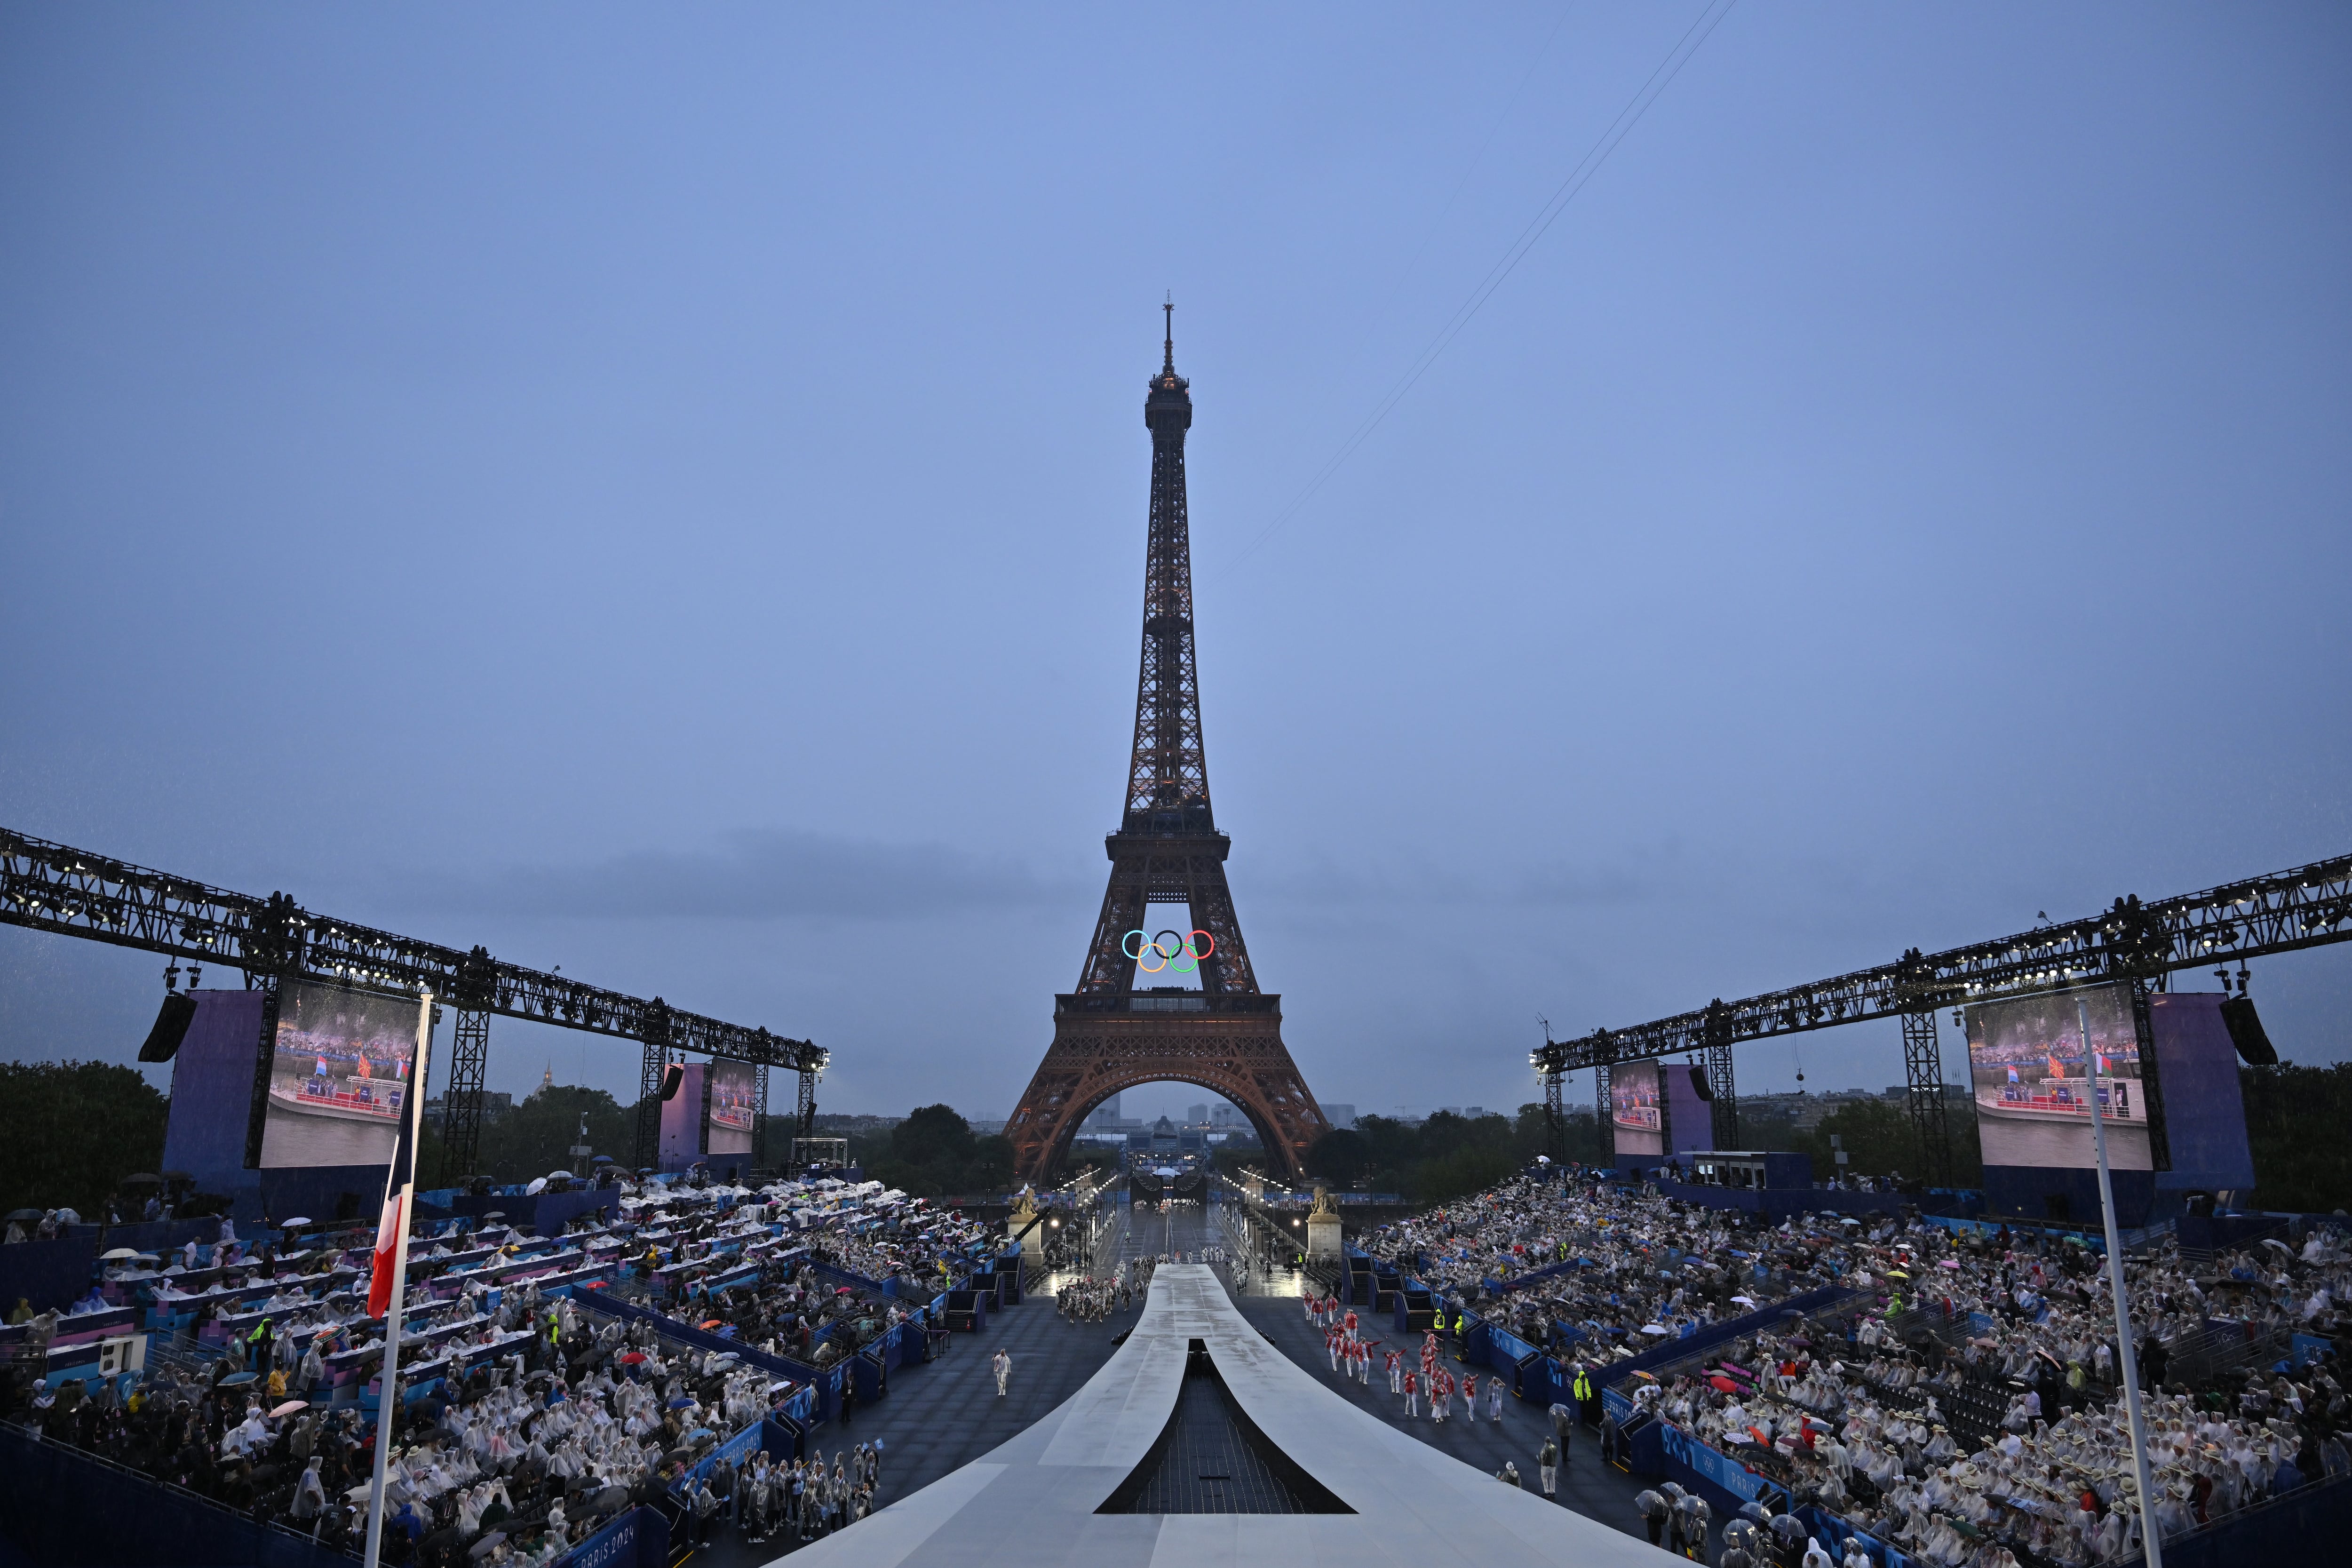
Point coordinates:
[[1960, 1398], [338, 1078]]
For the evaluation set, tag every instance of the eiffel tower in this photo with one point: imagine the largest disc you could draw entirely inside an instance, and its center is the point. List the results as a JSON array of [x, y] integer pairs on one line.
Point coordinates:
[[1108, 1034]]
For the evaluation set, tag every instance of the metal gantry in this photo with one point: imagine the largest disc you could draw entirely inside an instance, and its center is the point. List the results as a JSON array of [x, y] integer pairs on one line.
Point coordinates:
[[2285, 912], [56, 887], [461, 1101]]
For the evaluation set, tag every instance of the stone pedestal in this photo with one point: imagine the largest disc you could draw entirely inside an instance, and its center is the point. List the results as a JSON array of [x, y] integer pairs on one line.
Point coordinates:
[[1323, 1235]]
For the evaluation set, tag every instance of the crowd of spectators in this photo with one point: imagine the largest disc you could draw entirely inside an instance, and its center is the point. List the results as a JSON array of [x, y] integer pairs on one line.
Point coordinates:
[[528, 1452], [1625, 1268], [1963, 1400], [1967, 1405], [540, 1421]]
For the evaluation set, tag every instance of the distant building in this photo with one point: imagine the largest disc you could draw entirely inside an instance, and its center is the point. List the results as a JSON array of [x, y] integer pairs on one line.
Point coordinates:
[[1224, 1117], [1474, 1110], [1105, 1115], [1338, 1114], [1196, 1115], [1450, 1110], [437, 1109]]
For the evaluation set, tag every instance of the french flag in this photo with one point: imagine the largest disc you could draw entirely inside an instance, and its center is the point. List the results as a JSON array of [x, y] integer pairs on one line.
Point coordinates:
[[387, 1238]]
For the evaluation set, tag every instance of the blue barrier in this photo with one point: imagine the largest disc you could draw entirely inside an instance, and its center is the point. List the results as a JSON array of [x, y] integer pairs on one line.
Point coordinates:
[[95, 1514], [636, 1539], [1729, 1329], [47, 1274], [1521, 1281]]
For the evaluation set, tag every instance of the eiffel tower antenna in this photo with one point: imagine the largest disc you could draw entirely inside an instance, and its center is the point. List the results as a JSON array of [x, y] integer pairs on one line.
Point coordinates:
[[1108, 1034]]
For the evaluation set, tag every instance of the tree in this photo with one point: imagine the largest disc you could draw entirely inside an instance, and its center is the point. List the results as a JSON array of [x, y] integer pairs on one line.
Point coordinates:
[[2295, 1118], [69, 1133], [1340, 1156]]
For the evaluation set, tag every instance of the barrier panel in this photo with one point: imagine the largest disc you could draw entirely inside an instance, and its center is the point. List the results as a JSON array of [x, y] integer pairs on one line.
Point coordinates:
[[93, 1514], [1729, 1329], [48, 1275], [636, 1539]]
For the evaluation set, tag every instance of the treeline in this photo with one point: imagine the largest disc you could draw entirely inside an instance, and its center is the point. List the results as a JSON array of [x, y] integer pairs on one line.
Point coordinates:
[[69, 1133], [2295, 1121], [537, 1136], [1449, 1156], [934, 1153]]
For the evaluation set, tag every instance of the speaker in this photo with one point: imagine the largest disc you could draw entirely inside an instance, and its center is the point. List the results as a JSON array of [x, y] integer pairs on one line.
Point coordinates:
[[672, 1076], [2245, 1032], [179, 1010], [1698, 1083]]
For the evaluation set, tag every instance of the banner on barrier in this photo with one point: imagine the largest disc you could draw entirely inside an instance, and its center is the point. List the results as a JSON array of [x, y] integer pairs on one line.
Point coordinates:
[[1711, 1463], [615, 1546]]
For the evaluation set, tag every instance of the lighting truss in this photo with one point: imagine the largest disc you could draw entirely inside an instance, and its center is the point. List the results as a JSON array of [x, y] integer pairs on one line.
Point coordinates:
[[2310, 906], [72, 892]]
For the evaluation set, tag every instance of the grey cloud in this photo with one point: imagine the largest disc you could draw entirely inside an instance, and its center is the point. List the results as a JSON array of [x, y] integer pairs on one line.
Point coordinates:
[[763, 874]]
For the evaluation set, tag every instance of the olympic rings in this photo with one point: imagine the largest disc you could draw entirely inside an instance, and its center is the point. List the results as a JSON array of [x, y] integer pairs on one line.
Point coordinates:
[[1184, 955]]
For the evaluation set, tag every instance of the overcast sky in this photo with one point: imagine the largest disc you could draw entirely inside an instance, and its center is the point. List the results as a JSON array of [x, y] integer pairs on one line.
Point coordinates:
[[661, 492]]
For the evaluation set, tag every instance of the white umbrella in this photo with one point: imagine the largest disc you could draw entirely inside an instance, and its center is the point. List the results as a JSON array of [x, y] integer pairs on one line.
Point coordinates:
[[1745, 1300], [117, 1255], [1654, 1328]]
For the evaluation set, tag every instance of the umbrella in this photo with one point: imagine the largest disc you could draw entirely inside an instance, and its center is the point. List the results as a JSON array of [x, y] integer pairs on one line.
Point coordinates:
[[604, 1159], [1745, 1300], [289, 1408], [488, 1543], [237, 1379], [142, 1179], [2274, 1241], [555, 1175], [297, 1222], [15, 1214], [1654, 1328], [496, 1213], [1725, 1384], [117, 1255]]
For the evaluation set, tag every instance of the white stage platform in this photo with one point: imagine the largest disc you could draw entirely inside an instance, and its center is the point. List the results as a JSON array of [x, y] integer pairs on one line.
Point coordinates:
[[1034, 1500]]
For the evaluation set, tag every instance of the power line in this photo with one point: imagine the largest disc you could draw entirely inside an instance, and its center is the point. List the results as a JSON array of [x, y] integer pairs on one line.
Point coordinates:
[[1693, 37]]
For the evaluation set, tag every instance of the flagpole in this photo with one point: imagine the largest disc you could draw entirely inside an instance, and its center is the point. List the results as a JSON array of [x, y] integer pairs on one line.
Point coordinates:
[[2151, 1531], [388, 1380]]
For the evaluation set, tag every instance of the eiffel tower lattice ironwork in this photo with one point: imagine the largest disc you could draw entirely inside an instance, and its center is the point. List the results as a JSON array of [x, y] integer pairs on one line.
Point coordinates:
[[1108, 1036]]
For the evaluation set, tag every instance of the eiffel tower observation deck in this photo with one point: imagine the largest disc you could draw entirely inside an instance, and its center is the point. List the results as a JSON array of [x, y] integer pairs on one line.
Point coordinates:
[[1108, 1033]]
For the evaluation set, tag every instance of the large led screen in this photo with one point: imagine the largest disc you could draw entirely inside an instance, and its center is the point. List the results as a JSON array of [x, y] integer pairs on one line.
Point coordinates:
[[731, 1092], [2033, 1086], [339, 1074], [1636, 1111]]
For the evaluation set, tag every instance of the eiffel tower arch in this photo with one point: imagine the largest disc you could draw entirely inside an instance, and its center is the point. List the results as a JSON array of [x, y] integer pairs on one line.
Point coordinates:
[[1109, 1034]]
